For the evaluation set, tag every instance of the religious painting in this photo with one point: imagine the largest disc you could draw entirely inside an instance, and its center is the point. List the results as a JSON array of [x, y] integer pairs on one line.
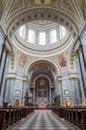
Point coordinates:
[[22, 60], [41, 91], [42, 87], [62, 61]]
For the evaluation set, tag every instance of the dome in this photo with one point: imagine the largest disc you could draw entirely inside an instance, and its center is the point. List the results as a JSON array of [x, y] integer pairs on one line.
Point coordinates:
[[41, 35]]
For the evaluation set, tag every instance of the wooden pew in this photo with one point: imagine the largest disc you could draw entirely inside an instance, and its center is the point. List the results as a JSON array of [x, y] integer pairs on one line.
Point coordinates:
[[27, 110], [11, 116], [58, 111], [2, 119], [76, 116]]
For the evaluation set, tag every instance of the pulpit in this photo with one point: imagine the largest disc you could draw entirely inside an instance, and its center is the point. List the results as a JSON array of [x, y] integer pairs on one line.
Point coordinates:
[[27, 98]]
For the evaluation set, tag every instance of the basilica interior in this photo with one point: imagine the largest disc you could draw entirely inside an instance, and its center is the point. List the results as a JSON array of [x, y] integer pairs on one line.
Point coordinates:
[[43, 63]]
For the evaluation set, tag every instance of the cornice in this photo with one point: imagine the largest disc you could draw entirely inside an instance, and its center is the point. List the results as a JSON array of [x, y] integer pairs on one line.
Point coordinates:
[[44, 52], [42, 12]]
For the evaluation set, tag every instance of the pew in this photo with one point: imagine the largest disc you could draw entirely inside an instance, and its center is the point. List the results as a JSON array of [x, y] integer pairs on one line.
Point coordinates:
[[58, 111], [27, 110], [9, 116], [76, 116], [2, 119]]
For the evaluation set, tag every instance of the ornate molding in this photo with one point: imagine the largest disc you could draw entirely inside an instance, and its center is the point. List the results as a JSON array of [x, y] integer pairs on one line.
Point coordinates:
[[41, 12], [76, 53], [74, 78]]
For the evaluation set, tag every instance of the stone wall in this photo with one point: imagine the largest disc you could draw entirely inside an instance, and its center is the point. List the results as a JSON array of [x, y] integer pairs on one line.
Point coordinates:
[[16, 88], [67, 86], [80, 57]]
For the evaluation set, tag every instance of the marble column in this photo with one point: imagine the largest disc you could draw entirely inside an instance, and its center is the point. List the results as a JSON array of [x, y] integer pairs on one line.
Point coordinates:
[[75, 91], [83, 68], [59, 91], [33, 95], [11, 91], [50, 96], [3, 78], [82, 51], [81, 72], [3, 65], [7, 90], [24, 88], [2, 49], [81, 82]]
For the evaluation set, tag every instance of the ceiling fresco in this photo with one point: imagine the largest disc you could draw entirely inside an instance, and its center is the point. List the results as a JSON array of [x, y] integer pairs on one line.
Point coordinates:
[[72, 10], [42, 68]]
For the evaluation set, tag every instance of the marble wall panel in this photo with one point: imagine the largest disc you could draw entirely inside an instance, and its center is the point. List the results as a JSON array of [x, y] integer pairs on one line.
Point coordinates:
[[74, 92], [58, 91], [66, 89]]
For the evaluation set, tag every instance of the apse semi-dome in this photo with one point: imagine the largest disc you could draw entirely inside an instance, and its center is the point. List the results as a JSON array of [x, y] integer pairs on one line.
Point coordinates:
[[39, 36]]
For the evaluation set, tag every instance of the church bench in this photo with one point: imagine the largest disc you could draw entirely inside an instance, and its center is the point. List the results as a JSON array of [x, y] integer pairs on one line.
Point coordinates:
[[58, 111], [27, 110], [76, 116], [2, 119], [10, 116]]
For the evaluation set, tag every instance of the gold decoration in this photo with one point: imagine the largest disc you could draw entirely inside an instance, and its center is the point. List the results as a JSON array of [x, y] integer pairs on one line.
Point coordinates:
[[67, 103], [78, 50], [67, 4]]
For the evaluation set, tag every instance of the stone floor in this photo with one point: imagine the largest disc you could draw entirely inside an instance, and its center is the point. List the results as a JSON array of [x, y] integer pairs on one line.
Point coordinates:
[[43, 120]]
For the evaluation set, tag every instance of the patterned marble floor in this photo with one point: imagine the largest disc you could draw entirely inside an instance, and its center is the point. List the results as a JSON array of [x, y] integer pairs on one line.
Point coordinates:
[[43, 120]]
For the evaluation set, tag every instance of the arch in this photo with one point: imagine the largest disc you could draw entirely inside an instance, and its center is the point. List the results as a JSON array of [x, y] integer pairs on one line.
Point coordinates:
[[43, 59], [42, 75], [44, 12]]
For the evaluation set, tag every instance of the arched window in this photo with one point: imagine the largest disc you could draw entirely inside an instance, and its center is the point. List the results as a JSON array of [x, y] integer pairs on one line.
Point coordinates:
[[62, 31], [53, 37], [22, 32], [42, 38], [31, 36]]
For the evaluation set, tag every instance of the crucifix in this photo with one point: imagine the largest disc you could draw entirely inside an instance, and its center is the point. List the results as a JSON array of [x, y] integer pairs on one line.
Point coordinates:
[[42, 1]]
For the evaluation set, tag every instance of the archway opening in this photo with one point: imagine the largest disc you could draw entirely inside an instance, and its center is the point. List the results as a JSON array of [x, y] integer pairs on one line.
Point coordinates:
[[42, 76]]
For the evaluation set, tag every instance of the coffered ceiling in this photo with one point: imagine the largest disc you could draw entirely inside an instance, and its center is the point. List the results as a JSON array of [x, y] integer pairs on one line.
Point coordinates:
[[65, 12]]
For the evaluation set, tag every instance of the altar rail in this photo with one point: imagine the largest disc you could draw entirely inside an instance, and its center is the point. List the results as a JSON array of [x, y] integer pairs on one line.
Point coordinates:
[[10, 116], [75, 115]]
